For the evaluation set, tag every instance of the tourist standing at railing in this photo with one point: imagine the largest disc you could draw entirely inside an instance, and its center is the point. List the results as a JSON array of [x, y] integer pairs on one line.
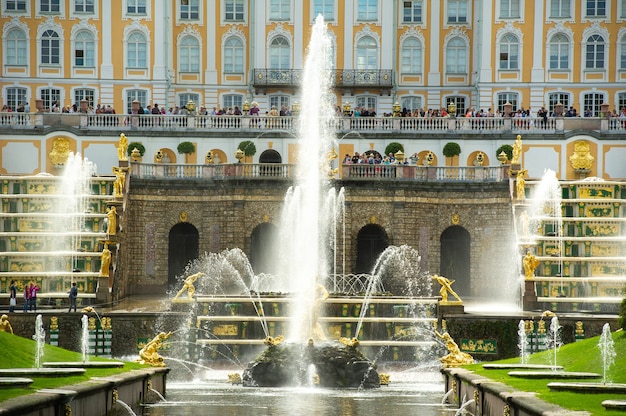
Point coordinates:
[[12, 296], [543, 115], [32, 300], [26, 297]]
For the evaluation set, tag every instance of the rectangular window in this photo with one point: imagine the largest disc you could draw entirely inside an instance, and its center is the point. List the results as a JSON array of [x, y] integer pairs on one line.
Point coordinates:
[[183, 100], [49, 6], [596, 8], [457, 11], [412, 11], [509, 9], [461, 106], [368, 102], [15, 97], [280, 9], [85, 94], [507, 97], [622, 10], [189, 9], [84, 6], [324, 7], [592, 104], [49, 97], [132, 95], [560, 8], [136, 6], [558, 98], [234, 10], [16, 5], [232, 101], [367, 10], [79, 57], [621, 101]]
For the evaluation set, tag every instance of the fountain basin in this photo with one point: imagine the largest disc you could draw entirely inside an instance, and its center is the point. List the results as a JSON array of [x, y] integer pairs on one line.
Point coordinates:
[[589, 387], [84, 364], [41, 372], [13, 382], [522, 366], [554, 374]]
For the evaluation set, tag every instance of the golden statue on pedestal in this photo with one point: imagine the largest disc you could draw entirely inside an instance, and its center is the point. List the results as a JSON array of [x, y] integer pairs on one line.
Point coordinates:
[[112, 220], [520, 183], [122, 148], [5, 325], [120, 180], [530, 264], [446, 287], [105, 261], [149, 354], [517, 150], [188, 285], [455, 357]]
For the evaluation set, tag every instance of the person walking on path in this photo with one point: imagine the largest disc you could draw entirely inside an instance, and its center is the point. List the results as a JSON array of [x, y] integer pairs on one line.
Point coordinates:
[[73, 295], [12, 296]]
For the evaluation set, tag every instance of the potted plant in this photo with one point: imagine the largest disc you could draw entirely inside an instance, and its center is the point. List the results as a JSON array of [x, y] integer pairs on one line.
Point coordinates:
[[140, 148], [393, 148], [248, 148], [186, 148], [507, 149], [451, 149]]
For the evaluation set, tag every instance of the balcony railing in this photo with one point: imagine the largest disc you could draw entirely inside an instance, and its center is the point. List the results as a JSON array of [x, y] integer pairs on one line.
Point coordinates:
[[340, 78], [358, 172], [206, 123]]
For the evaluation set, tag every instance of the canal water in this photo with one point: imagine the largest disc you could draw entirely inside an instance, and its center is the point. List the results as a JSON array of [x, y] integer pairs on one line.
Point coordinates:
[[411, 392]]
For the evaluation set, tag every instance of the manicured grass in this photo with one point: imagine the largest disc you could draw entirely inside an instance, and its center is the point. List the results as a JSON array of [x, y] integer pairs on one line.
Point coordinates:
[[582, 356], [18, 352]]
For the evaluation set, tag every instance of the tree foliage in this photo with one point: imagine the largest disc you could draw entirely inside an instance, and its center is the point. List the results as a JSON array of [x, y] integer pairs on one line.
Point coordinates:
[[506, 148], [136, 145], [186, 147], [248, 148], [451, 149], [393, 148]]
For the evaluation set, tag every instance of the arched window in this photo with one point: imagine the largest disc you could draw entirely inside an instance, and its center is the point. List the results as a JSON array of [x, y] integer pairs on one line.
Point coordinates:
[[456, 56], [509, 52], [367, 53], [559, 52], [233, 56], [411, 62], [50, 48], [137, 50], [594, 52], [84, 49], [16, 47], [189, 55], [280, 53]]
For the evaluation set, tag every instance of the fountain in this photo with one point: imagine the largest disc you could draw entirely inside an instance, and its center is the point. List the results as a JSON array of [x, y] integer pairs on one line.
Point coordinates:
[[607, 350], [40, 339]]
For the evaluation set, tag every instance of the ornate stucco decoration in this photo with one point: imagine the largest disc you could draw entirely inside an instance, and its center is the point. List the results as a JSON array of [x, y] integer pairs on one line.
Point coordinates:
[[188, 31], [581, 159], [509, 28], [412, 32], [367, 31], [279, 30], [60, 151], [83, 24], [15, 22], [457, 31]]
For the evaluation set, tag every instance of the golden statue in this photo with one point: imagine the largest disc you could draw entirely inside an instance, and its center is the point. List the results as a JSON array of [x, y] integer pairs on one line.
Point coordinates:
[[88, 309], [446, 287], [530, 264], [234, 378], [5, 325], [385, 379], [112, 220], [332, 155], [120, 180], [517, 151], [188, 286], [273, 341], [60, 151], [349, 342], [455, 356], [122, 148], [317, 330], [105, 261], [581, 159], [520, 193], [149, 354]]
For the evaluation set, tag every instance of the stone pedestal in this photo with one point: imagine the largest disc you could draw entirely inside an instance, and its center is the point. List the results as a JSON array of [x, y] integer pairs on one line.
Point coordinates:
[[530, 296], [451, 308]]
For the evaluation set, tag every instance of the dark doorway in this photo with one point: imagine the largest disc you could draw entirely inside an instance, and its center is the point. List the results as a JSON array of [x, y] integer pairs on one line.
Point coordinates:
[[262, 248], [372, 240], [270, 156], [455, 258], [183, 247], [267, 159]]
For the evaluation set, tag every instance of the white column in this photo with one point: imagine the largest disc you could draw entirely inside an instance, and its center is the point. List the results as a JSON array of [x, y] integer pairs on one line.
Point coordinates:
[[212, 43], [106, 67], [348, 34], [435, 47], [537, 43], [159, 47], [387, 43], [486, 45], [258, 38], [299, 45]]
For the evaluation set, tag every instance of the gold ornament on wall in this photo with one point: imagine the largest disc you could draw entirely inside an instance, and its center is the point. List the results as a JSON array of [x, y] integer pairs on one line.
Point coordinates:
[[183, 216], [456, 219], [373, 219], [581, 159], [60, 151]]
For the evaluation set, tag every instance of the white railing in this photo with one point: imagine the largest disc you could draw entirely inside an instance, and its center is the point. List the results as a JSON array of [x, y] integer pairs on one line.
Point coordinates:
[[477, 125], [348, 172]]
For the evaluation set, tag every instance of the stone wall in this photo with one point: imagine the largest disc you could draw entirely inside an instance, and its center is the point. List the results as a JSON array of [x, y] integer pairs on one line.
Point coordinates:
[[225, 212]]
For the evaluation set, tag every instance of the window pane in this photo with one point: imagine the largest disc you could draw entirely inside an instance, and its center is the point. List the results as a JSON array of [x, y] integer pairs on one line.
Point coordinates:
[[136, 6], [324, 7], [367, 10], [234, 10], [280, 9], [412, 11]]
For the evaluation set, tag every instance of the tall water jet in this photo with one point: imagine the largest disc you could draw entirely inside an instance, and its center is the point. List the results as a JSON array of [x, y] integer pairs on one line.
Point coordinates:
[[84, 341], [304, 232], [522, 342], [607, 350], [554, 339], [40, 339]]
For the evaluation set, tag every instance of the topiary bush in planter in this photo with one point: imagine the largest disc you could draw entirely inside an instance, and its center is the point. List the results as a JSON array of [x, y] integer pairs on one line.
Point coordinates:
[[248, 148], [393, 148], [451, 149], [136, 145], [506, 148], [186, 148]]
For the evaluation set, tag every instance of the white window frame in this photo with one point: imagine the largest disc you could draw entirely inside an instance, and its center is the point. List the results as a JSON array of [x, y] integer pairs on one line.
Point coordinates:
[[6, 47], [39, 4], [363, 56], [513, 49], [190, 4], [277, 60], [276, 10], [510, 16], [231, 53], [127, 64], [448, 9], [419, 47], [136, 4], [607, 9], [325, 6], [93, 50], [40, 48], [367, 10], [235, 12], [15, 9], [48, 101], [456, 66], [191, 67], [569, 47], [412, 15], [596, 106], [560, 4], [75, 91]]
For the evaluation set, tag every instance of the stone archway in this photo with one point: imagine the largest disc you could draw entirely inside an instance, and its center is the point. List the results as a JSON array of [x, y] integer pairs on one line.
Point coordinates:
[[455, 258], [263, 247], [372, 240], [183, 247], [270, 156]]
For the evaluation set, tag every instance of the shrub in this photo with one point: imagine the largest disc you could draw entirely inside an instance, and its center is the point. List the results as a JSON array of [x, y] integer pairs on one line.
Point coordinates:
[[451, 149], [621, 322], [248, 148], [506, 148], [186, 147], [393, 148], [138, 146]]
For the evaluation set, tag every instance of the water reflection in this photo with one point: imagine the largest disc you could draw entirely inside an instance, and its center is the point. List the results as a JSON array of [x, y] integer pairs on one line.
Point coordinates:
[[410, 393]]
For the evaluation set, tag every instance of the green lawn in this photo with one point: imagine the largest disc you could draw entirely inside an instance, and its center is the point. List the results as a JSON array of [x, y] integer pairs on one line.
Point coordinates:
[[580, 356], [18, 352]]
